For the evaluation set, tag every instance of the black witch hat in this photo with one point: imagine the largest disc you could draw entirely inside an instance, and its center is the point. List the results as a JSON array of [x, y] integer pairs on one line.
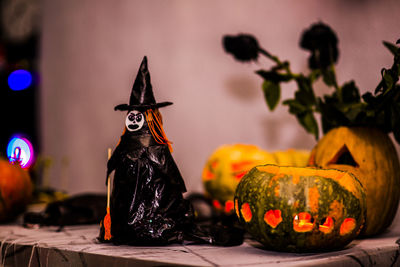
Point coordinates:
[[142, 97]]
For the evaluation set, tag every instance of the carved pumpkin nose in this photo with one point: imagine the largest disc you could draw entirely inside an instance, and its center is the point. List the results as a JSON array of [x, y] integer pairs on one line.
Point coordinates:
[[273, 218], [344, 157]]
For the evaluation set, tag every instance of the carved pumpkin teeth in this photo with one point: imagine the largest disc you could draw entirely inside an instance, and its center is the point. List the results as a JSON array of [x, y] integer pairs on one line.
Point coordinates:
[[347, 226], [273, 218], [216, 204], [229, 206], [327, 225], [246, 212], [303, 222]]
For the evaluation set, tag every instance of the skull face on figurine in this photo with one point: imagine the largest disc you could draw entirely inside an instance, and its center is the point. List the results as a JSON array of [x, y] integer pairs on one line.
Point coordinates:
[[134, 121], [147, 206]]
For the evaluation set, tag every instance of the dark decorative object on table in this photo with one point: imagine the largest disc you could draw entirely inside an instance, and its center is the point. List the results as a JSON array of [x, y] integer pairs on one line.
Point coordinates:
[[147, 206], [345, 106], [75, 210]]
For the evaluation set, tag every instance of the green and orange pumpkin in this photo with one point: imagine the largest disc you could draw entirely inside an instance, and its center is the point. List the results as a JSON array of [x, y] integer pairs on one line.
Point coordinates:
[[300, 209], [369, 154]]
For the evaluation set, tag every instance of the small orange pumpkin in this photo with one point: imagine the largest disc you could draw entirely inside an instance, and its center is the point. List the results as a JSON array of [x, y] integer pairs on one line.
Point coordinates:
[[225, 168], [229, 163], [292, 157], [15, 190]]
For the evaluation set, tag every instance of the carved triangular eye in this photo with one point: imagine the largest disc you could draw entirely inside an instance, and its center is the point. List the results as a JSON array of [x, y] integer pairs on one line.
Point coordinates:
[[344, 157]]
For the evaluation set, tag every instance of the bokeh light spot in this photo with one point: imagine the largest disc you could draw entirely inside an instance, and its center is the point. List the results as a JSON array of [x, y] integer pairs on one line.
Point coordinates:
[[19, 80], [25, 152]]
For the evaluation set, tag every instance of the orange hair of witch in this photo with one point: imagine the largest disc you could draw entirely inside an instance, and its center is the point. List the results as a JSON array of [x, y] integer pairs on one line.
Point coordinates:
[[154, 121]]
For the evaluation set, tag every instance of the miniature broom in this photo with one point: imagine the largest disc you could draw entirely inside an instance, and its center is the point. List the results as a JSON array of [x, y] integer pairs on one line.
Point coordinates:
[[107, 218]]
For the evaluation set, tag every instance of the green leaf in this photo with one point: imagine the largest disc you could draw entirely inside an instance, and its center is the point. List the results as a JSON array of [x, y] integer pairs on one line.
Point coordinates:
[[370, 113], [305, 94], [307, 120], [369, 98], [379, 87], [272, 93], [331, 116], [305, 98], [350, 93], [331, 99], [392, 48], [387, 77], [295, 107], [351, 111], [274, 76]]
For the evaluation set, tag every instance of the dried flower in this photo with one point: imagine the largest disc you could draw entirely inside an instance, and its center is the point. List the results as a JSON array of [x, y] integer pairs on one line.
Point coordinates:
[[243, 47], [321, 40]]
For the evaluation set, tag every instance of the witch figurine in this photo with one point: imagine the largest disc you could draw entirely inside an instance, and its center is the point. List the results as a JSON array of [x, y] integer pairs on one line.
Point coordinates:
[[147, 206]]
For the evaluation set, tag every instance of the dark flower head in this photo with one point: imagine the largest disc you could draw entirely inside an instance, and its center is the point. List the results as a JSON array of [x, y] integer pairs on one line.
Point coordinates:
[[321, 40], [243, 47]]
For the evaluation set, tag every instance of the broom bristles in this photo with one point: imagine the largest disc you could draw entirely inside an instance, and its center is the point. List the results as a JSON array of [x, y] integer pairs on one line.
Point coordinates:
[[107, 225]]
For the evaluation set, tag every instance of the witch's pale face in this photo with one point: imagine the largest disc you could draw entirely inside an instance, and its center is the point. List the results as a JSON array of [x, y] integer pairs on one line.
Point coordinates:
[[134, 121]]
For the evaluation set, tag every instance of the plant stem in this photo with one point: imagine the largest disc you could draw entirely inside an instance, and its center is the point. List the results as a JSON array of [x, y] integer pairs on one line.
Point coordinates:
[[272, 57], [283, 65], [335, 84]]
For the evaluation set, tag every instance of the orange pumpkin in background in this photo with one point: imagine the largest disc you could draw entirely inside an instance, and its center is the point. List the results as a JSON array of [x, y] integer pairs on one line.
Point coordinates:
[[369, 154], [15, 190], [292, 157], [225, 168], [229, 163]]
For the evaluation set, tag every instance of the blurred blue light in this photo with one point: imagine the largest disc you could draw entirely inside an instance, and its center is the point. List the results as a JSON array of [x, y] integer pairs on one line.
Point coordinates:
[[19, 148], [19, 80]]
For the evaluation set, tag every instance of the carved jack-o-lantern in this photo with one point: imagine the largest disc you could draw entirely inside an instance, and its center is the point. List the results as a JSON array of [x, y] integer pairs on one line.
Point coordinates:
[[300, 209], [226, 167], [370, 155]]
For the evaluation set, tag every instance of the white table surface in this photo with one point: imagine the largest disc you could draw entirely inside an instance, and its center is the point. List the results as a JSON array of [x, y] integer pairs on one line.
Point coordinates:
[[77, 246]]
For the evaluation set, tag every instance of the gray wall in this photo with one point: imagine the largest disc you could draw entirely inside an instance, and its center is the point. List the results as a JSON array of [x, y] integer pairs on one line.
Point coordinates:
[[91, 51]]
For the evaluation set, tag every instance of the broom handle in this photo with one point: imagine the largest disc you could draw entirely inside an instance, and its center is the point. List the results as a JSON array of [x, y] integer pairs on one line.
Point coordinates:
[[108, 183]]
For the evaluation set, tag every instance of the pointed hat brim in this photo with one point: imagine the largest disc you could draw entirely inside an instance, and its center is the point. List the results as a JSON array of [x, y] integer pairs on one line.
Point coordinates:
[[124, 107]]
